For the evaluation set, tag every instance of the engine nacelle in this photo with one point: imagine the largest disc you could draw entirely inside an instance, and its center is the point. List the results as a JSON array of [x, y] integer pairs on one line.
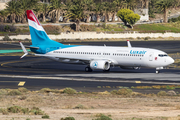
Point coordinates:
[[100, 64]]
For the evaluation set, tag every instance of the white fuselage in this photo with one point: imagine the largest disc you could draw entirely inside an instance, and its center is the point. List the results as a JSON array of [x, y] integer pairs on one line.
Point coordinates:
[[121, 56]]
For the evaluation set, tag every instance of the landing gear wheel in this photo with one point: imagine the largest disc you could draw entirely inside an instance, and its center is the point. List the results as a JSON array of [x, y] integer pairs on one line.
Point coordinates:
[[88, 69], [157, 71]]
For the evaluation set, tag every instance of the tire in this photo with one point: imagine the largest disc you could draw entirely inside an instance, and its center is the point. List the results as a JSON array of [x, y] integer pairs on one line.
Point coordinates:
[[88, 69]]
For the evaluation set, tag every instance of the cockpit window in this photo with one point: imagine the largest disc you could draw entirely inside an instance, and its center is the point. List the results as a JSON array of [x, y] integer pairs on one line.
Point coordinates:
[[162, 55]]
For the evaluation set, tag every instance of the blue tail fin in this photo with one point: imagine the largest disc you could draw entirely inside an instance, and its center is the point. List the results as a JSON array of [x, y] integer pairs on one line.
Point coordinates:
[[38, 35]]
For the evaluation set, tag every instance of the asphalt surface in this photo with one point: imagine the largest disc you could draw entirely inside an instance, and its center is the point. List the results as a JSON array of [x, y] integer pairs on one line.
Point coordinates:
[[37, 73]]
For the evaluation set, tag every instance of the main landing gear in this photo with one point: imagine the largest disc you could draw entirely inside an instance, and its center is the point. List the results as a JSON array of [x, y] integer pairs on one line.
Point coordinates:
[[88, 69]]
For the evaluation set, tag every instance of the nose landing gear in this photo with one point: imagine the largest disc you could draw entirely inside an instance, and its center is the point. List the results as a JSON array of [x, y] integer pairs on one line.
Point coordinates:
[[158, 69]]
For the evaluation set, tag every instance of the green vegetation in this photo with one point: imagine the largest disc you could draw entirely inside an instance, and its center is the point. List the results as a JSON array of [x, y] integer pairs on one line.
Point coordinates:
[[156, 28], [18, 109], [14, 92], [69, 91], [79, 106], [168, 87], [82, 10], [68, 118], [102, 117], [164, 5], [162, 93], [123, 91], [128, 16], [45, 116]]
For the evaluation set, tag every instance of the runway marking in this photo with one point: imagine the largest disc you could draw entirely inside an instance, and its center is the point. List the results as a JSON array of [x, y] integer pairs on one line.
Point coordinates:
[[3, 64], [84, 79], [11, 51], [138, 81], [21, 83]]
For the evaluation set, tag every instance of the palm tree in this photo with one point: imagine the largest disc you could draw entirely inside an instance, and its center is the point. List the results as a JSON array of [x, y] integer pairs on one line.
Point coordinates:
[[4, 14], [57, 6], [164, 5], [76, 12], [42, 8], [38, 9], [98, 11], [13, 8], [89, 6], [112, 10], [106, 10], [118, 4], [131, 4], [25, 5], [67, 7]]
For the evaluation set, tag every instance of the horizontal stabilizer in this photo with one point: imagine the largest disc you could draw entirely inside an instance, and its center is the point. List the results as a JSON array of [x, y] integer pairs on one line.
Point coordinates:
[[24, 50], [23, 45]]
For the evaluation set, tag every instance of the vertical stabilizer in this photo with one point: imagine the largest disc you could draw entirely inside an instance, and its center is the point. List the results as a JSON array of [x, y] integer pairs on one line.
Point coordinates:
[[38, 34], [129, 44]]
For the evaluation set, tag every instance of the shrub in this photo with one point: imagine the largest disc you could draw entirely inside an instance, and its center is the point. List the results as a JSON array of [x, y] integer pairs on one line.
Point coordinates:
[[87, 27], [79, 106], [170, 87], [6, 38], [22, 97], [7, 28], [124, 91], [114, 92], [22, 89], [14, 92], [104, 25], [14, 109], [4, 111], [146, 38], [36, 111], [69, 91], [103, 117], [68, 118], [45, 116], [12, 28], [162, 93], [45, 90], [3, 92], [73, 26]]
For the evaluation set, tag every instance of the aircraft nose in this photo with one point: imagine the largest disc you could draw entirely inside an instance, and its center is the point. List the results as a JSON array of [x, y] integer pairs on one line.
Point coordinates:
[[170, 60]]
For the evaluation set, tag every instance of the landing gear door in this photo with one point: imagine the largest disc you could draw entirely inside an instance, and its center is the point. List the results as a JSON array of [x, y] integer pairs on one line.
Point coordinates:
[[151, 56]]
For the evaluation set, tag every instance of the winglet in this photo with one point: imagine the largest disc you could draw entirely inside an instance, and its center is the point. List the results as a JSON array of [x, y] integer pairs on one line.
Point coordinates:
[[129, 44], [24, 50]]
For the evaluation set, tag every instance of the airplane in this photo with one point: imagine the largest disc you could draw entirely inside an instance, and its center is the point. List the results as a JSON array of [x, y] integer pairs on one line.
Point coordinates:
[[95, 57]]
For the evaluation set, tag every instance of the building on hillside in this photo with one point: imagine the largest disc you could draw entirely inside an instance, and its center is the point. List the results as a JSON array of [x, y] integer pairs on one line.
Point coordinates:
[[3, 4]]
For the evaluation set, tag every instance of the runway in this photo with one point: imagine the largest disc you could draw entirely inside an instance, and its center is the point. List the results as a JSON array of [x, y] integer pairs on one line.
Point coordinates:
[[36, 73]]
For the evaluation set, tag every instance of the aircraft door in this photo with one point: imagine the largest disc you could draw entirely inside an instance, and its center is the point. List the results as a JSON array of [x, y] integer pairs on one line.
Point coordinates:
[[151, 56]]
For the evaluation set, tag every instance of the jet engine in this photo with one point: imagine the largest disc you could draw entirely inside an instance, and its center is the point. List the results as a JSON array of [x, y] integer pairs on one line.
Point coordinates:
[[100, 64]]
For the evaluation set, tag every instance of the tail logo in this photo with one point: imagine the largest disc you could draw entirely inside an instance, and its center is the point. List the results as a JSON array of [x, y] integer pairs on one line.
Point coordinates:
[[32, 17]]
